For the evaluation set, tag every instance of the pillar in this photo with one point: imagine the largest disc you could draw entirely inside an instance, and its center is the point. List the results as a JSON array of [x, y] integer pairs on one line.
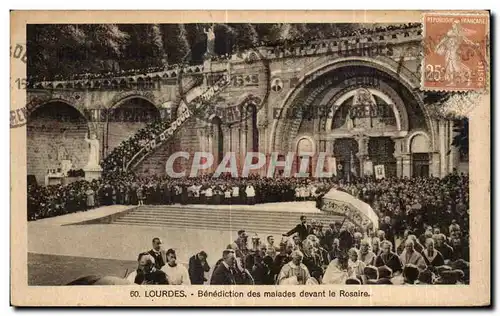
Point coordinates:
[[435, 164], [442, 148], [454, 156], [362, 152], [406, 164], [398, 150]]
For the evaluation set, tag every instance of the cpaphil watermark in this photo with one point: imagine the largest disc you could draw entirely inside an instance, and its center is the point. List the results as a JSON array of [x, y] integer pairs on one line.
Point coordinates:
[[286, 165]]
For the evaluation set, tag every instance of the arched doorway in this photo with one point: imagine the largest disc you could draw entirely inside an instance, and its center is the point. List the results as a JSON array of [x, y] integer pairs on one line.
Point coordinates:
[[381, 152], [305, 152], [55, 139], [396, 105], [419, 148], [345, 150], [217, 139], [126, 118]]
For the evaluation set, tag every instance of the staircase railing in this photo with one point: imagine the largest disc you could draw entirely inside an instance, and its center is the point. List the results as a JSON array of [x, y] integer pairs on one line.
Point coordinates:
[[198, 103]]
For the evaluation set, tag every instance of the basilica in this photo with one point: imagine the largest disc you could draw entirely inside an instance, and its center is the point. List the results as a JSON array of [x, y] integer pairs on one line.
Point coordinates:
[[364, 112]]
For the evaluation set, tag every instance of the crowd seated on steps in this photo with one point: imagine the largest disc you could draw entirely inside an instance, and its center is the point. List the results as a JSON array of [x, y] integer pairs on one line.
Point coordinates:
[[401, 203]]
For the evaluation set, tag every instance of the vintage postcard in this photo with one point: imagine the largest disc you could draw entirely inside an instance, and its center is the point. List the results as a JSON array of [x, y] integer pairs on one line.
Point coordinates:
[[250, 158]]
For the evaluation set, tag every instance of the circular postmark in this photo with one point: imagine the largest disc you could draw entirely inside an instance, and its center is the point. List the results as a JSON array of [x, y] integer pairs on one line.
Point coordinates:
[[19, 117]]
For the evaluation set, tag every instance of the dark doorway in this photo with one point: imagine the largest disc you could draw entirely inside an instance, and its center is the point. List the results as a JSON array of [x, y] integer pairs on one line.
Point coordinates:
[[420, 164]]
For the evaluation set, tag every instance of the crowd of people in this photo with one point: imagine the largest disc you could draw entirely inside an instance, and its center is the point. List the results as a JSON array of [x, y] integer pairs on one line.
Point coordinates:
[[127, 189], [116, 160], [342, 33], [310, 254], [403, 203], [107, 74]]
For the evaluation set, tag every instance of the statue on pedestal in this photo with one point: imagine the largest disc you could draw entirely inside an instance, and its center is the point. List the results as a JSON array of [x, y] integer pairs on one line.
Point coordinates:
[[210, 41], [92, 169], [93, 161]]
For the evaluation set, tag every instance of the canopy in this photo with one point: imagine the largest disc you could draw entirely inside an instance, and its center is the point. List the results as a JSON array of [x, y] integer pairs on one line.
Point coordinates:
[[358, 212]]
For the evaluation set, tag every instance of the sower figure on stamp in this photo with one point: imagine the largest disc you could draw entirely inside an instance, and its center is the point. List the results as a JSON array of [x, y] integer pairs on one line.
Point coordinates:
[[449, 46]]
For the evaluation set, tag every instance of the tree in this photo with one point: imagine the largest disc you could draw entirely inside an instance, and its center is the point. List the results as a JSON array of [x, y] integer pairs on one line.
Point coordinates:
[[246, 35], [461, 139], [175, 43]]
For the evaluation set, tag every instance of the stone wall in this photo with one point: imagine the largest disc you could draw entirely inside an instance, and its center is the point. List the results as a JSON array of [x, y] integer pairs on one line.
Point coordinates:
[[55, 132]]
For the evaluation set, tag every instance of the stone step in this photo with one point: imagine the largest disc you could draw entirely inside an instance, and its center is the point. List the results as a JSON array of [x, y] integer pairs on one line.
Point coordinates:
[[275, 222], [221, 216], [259, 229], [275, 228], [239, 221], [233, 211]]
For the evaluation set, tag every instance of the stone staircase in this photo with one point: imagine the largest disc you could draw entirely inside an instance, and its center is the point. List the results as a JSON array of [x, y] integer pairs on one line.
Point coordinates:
[[197, 98], [234, 219]]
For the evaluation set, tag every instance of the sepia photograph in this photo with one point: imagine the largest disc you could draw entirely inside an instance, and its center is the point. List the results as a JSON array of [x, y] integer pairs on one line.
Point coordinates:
[[281, 160]]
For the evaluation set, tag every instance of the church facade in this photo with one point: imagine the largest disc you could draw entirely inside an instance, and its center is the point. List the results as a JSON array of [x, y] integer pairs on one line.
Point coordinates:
[[357, 99]]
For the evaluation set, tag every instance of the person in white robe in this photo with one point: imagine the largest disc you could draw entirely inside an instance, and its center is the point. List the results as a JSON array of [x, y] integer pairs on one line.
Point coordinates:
[[294, 272], [357, 266], [177, 274], [338, 271]]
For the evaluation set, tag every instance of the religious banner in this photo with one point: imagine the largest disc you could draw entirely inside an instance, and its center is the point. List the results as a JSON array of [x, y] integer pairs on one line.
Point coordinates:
[[379, 172], [368, 168]]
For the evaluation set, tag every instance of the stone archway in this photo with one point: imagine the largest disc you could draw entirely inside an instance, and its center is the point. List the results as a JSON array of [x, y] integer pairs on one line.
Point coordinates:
[[313, 87], [125, 118], [305, 150], [55, 138], [420, 150]]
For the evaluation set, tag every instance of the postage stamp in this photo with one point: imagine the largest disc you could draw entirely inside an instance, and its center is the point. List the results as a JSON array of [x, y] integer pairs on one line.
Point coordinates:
[[455, 51]]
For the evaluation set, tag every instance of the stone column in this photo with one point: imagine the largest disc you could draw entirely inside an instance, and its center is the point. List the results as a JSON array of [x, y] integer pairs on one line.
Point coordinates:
[[226, 132], [435, 165], [442, 148], [398, 146], [362, 152], [454, 157], [406, 164]]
